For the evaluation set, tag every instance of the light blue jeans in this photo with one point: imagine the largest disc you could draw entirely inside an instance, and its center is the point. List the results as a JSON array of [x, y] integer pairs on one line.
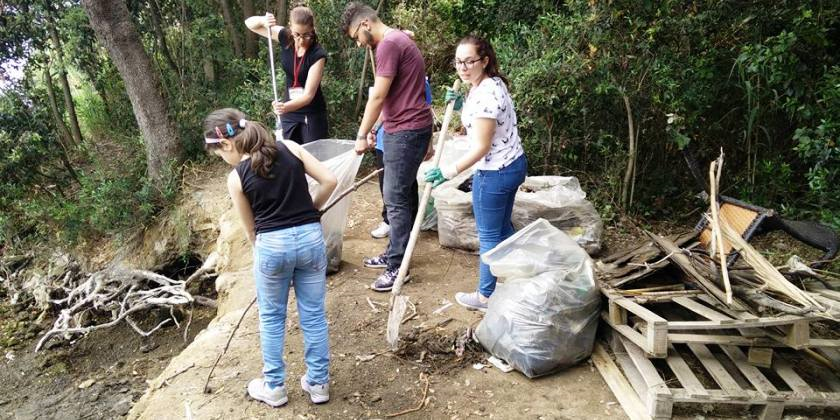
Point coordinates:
[[294, 256], [493, 196]]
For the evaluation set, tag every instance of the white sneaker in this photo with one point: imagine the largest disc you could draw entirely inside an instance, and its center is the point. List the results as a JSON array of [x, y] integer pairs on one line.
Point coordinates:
[[319, 394], [260, 391], [381, 231]]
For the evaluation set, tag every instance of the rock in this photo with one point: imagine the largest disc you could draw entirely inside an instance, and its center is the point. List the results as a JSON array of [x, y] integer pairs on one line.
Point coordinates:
[[123, 407], [148, 347], [87, 384]]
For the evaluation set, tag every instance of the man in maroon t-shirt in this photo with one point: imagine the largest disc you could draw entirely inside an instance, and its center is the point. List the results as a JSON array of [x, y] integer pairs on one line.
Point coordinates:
[[399, 93]]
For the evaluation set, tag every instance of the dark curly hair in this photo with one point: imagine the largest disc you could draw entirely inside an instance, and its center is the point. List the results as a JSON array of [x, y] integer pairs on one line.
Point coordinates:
[[353, 13]]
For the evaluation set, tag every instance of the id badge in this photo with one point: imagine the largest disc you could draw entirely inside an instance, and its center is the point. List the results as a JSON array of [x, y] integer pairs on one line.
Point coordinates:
[[295, 93]]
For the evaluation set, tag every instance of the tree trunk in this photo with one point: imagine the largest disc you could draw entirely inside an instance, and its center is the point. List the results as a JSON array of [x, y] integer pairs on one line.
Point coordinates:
[[629, 173], [161, 36], [231, 28], [65, 85], [64, 137], [115, 30], [280, 12], [250, 37]]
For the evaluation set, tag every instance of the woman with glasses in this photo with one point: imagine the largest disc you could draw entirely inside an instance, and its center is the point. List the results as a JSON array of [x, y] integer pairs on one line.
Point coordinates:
[[496, 152], [303, 109]]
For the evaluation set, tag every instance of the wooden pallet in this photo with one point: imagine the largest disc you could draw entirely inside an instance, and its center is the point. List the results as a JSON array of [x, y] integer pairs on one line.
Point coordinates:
[[658, 332], [738, 382]]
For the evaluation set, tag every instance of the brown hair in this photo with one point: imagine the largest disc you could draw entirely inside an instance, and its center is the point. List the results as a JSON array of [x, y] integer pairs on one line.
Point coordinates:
[[252, 138], [484, 49], [355, 12], [301, 15]]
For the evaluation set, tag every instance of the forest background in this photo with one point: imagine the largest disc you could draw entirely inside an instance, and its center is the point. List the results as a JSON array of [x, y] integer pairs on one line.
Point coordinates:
[[95, 132]]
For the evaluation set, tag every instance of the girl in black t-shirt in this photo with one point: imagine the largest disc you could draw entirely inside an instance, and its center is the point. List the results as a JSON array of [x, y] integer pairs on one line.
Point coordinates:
[[303, 109]]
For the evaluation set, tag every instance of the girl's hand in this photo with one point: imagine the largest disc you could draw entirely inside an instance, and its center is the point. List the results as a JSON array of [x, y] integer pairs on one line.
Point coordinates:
[[270, 20]]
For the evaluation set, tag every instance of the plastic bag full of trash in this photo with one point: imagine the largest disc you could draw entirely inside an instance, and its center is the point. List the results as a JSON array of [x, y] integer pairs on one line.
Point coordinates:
[[339, 157], [544, 315]]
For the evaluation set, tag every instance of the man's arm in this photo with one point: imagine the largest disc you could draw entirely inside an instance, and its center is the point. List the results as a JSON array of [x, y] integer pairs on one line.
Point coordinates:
[[381, 86]]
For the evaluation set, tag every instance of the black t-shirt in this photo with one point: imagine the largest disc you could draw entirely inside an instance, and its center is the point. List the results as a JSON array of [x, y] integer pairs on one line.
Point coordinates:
[[287, 60], [281, 201]]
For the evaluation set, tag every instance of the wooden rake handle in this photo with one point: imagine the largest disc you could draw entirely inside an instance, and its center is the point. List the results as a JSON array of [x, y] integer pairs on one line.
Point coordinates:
[[427, 192]]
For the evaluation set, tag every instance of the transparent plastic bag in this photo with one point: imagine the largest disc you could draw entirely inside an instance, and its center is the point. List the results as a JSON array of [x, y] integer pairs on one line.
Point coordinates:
[[543, 317], [339, 157], [561, 201], [453, 149], [455, 219]]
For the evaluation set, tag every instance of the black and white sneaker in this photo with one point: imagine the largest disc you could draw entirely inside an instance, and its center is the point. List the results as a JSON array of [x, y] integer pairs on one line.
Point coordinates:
[[379, 261], [386, 280]]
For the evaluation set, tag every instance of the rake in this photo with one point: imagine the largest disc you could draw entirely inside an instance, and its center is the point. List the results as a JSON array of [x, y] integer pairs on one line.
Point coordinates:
[[398, 301]]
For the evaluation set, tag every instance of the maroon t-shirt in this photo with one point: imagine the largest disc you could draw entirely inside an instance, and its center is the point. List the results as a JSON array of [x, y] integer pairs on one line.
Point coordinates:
[[405, 107]]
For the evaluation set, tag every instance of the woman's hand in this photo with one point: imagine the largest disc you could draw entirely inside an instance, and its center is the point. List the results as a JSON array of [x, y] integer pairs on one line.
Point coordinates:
[[279, 107], [270, 21]]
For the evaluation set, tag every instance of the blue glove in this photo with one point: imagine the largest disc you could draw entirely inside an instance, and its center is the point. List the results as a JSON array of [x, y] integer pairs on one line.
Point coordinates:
[[452, 95], [435, 177]]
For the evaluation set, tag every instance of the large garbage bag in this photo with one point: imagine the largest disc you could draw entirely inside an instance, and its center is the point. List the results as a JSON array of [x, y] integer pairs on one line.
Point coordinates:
[[455, 218], [339, 157], [561, 201], [543, 317], [453, 149], [558, 199]]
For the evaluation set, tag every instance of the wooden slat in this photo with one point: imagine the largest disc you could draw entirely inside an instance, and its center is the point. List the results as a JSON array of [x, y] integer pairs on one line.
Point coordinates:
[[618, 384], [684, 374], [746, 332], [660, 403], [718, 325], [756, 378], [717, 371], [639, 310], [736, 340], [702, 310], [793, 380]]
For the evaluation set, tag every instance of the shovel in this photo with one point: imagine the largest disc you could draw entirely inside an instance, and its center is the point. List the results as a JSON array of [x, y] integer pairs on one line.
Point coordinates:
[[398, 301], [278, 125]]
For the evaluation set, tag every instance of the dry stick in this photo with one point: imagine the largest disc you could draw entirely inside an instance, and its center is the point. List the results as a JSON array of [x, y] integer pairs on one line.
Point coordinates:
[[765, 271], [354, 187], [713, 186], [398, 302], [419, 406], [232, 332]]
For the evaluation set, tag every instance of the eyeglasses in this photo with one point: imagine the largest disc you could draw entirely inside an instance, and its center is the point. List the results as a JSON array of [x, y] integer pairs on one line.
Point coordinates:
[[468, 64], [308, 35]]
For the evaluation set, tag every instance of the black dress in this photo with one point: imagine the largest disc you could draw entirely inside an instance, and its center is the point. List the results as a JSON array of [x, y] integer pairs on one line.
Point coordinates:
[[310, 122]]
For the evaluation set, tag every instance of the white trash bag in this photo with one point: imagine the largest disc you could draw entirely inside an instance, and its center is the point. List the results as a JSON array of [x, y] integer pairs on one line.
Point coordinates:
[[561, 201], [544, 316], [455, 219], [339, 157]]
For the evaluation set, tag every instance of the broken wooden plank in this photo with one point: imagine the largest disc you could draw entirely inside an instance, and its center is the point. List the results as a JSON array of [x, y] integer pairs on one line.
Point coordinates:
[[618, 384]]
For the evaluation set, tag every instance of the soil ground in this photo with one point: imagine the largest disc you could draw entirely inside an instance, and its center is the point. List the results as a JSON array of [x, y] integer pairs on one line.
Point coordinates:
[[367, 382]]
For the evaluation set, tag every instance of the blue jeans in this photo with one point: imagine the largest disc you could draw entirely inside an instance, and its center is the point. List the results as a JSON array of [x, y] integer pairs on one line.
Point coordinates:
[[404, 151], [493, 195], [292, 257]]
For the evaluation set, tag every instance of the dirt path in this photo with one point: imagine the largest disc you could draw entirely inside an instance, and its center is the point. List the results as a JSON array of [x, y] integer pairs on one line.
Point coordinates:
[[363, 389]]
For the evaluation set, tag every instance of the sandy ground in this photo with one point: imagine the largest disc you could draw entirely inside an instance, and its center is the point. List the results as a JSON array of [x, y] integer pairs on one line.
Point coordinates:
[[361, 389]]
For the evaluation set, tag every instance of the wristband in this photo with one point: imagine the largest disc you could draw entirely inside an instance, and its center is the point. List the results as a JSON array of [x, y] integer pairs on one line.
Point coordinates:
[[449, 171]]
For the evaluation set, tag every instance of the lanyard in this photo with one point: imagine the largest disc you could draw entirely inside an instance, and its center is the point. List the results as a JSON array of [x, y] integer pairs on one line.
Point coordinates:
[[296, 67]]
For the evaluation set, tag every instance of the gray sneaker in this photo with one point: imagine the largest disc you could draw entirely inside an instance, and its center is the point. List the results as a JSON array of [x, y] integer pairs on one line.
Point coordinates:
[[319, 394], [260, 391], [471, 301]]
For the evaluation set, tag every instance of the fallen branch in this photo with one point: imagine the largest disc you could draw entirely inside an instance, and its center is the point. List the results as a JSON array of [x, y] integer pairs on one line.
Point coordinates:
[[165, 382], [420, 405], [714, 221], [207, 389]]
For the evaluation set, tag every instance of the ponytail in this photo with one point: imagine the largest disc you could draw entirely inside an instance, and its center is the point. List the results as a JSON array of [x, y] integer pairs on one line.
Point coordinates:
[[249, 137]]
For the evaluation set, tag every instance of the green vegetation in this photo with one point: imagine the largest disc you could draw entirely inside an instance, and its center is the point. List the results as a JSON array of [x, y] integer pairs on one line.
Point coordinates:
[[759, 79]]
